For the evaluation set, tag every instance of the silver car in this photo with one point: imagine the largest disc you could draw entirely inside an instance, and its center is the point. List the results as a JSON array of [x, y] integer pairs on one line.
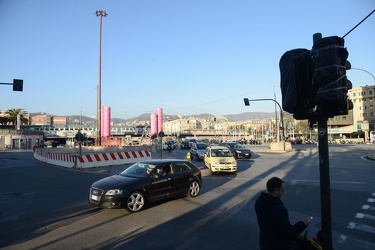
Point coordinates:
[[197, 150]]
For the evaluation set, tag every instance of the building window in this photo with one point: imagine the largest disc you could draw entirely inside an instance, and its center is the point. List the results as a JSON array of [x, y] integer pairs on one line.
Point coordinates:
[[370, 99], [354, 94], [370, 92]]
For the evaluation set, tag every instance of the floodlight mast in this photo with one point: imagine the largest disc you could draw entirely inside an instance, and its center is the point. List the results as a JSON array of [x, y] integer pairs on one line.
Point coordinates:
[[99, 13]]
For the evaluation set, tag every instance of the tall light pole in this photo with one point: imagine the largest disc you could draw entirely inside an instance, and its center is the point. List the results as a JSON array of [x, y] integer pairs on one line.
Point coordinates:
[[99, 13]]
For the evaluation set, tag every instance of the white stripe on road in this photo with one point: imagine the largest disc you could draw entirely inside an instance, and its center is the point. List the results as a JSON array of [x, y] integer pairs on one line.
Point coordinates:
[[368, 207], [360, 227], [364, 216]]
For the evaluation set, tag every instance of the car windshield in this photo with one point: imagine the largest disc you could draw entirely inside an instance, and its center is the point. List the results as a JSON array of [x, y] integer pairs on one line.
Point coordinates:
[[238, 146], [221, 153], [138, 170], [201, 146]]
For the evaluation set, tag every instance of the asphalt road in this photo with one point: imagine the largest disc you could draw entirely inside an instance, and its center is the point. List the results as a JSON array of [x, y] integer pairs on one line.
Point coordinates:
[[45, 207]]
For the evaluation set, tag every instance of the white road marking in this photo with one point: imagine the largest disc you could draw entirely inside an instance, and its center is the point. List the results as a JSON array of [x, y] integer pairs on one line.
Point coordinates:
[[368, 207], [360, 227], [364, 216]]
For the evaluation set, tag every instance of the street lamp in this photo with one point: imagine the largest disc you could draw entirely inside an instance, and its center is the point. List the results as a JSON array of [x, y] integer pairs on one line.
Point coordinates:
[[99, 13], [373, 77], [247, 103]]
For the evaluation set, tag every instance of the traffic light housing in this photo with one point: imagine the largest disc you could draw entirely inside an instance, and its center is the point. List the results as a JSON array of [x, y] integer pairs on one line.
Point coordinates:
[[330, 63], [17, 85], [296, 83], [313, 83]]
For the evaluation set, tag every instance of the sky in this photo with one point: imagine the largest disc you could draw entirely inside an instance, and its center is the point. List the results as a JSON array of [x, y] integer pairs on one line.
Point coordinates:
[[184, 56]]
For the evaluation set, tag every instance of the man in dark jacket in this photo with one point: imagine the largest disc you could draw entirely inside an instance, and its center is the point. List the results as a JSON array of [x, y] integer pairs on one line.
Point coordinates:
[[276, 232]]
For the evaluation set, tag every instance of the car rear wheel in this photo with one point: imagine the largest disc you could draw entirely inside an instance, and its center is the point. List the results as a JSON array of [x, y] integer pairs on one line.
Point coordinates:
[[194, 189], [135, 202]]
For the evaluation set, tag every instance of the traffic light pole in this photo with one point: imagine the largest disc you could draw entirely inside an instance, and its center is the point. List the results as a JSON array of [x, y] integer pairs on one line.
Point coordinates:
[[325, 186], [17, 84]]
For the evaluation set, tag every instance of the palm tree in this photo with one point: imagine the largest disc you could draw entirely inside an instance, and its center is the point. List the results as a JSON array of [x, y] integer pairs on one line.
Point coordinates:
[[11, 114]]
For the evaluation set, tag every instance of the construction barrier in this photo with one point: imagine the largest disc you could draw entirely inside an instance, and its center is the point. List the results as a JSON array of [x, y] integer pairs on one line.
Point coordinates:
[[91, 160], [114, 158]]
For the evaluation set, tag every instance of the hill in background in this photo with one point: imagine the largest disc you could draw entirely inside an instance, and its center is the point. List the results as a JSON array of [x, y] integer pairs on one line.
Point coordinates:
[[146, 117]]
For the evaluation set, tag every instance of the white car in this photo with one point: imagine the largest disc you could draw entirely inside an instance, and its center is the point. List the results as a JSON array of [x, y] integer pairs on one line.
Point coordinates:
[[219, 159]]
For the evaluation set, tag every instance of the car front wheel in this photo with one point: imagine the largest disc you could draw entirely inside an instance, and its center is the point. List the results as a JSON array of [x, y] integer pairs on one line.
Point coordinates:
[[135, 202], [194, 189]]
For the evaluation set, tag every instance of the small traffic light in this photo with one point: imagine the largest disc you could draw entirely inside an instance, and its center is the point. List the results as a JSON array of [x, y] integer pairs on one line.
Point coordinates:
[[17, 85], [246, 100]]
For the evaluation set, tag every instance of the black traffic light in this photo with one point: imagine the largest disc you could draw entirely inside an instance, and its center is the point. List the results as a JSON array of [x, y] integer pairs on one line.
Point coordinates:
[[246, 101], [296, 83], [314, 83], [17, 85], [329, 58]]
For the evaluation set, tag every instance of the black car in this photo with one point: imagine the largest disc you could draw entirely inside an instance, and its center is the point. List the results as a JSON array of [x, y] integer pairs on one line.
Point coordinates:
[[141, 183], [237, 149], [184, 145]]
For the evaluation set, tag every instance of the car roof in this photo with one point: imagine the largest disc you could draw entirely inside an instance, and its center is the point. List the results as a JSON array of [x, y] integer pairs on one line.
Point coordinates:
[[218, 147], [160, 161], [229, 142]]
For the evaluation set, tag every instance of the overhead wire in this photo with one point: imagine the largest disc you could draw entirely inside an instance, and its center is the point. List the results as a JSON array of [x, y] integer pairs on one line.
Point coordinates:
[[359, 23]]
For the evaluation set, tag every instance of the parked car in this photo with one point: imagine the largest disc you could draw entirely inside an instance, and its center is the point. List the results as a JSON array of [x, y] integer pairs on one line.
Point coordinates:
[[184, 144], [219, 159], [140, 184], [238, 150], [197, 151]]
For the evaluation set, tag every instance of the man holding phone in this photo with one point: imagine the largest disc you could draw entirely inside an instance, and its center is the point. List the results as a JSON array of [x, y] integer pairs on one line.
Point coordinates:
[[276, 231]]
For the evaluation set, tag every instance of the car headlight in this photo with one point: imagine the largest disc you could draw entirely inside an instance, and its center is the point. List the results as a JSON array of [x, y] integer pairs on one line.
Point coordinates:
[[238, 152], [234, 163], [114, 192]]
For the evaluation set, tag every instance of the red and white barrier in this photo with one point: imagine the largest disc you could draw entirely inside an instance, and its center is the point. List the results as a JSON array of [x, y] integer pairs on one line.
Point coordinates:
[[91, 160], [114, 158]]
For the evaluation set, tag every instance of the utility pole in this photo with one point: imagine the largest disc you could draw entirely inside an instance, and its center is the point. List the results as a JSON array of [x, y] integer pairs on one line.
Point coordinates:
[[99, 13]]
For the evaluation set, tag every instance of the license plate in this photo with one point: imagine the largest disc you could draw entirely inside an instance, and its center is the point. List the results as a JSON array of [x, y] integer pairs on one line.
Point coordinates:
[[225, 168], [94, 197]]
